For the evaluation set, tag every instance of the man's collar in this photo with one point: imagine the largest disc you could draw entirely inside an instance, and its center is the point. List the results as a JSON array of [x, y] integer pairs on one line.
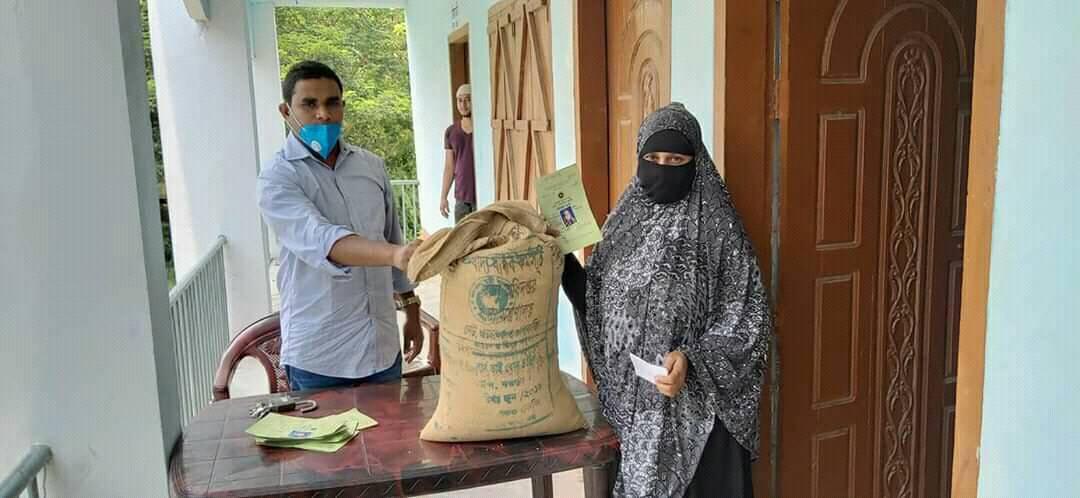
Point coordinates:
[[296, 150]]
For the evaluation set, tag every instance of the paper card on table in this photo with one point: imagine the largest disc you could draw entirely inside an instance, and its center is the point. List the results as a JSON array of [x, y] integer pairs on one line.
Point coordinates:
[[647, 370], [565, 206], [327, 445], [320, 446], [275, 426]]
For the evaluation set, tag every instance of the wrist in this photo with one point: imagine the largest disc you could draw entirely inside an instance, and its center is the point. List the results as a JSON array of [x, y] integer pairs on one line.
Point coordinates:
[[407, 300]]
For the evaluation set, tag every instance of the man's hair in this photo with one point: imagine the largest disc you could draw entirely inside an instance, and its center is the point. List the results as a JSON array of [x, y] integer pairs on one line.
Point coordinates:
[[307, 70]]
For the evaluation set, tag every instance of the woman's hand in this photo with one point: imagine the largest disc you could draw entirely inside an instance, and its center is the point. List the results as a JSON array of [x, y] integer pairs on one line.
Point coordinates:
[[676, 364]]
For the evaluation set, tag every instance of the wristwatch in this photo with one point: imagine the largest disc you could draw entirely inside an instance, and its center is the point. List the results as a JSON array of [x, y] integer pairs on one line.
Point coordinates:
[[405, 302]]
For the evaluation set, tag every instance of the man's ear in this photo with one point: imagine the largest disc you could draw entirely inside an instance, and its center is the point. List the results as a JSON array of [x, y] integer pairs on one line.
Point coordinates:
[[283, 108]]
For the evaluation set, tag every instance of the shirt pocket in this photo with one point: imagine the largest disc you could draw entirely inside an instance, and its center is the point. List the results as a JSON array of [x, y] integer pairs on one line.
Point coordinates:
[[348, 296]]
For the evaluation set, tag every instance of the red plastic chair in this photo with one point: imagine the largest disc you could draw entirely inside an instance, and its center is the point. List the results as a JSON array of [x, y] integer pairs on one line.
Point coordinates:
[[262, 340]]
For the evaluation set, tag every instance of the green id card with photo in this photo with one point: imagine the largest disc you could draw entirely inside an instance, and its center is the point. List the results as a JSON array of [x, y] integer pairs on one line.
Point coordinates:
[[565, 206]]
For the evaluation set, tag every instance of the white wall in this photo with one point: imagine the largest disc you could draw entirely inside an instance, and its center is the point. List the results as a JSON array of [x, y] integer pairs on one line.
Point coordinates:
[[429, 25], [206, 105], [84, 308], [692, 61], [1030, 435]]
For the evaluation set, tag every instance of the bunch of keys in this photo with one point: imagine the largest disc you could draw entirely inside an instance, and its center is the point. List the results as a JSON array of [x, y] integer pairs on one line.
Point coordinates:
[[283, 403]]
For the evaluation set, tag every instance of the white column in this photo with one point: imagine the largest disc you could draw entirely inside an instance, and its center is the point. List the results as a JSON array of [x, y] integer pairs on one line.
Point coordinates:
[[266, 80], [86, 354], [206, 105], [428, 24]]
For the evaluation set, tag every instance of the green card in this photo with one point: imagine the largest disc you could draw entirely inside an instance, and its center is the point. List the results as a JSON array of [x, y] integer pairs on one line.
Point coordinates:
[[565, 206], [326, 434]]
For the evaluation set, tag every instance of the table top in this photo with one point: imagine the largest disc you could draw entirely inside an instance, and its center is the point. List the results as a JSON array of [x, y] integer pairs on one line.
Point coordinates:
[[216, 458]]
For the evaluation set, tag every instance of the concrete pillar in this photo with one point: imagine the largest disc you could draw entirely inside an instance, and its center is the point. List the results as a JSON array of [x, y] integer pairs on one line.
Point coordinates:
[[266, 81], [87, 350], [428, 24], [206, 105]]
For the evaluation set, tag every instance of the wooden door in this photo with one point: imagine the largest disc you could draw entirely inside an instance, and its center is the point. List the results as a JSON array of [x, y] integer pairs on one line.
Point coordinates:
[[875, 135], [519, 36], [639, 78]]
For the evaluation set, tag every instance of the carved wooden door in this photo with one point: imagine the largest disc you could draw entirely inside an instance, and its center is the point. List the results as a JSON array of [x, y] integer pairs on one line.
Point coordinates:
[[871, 232], [639, 78], [519, 36]]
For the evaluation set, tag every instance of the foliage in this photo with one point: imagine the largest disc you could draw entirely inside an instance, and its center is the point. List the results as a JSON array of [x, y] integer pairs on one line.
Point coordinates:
[[159, 163], [366, 47]]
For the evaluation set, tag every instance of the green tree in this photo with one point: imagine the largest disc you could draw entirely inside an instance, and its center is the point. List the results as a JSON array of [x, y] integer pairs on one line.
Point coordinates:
[[366, 47], [159, 163]]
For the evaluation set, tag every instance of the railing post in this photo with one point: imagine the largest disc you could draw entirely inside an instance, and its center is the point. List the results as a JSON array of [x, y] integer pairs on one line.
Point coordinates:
[[24, 477]]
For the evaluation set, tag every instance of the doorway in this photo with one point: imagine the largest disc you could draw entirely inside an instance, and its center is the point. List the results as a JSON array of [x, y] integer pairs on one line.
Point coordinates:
[[459, 64]]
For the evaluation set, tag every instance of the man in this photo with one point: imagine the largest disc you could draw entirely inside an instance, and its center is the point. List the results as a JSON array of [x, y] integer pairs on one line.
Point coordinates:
[[330, 204], [459, 168]]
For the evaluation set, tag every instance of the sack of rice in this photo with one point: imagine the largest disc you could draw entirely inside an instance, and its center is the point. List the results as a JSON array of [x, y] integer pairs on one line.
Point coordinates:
[[497, 339]]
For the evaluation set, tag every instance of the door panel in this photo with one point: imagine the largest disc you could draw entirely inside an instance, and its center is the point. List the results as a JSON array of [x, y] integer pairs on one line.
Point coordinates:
[[639, 78], [519, 36], [871, 235]]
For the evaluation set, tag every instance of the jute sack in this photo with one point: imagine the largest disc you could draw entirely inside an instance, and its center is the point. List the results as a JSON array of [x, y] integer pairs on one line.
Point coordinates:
[[497, 339]]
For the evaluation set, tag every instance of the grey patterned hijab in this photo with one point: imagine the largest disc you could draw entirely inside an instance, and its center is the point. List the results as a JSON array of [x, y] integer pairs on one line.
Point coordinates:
[[679, 276]]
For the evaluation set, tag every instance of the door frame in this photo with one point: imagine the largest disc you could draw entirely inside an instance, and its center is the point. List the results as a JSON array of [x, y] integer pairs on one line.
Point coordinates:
[[752, 174], [460, 72], [591, 113], [982, 171]]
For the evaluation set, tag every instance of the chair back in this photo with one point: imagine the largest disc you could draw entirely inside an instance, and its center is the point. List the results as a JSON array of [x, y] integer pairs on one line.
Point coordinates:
[[262, 340]]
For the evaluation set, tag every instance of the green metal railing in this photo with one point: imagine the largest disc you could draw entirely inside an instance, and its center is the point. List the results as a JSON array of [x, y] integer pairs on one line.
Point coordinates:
[[24, 479], [200, 325], [407, 205]]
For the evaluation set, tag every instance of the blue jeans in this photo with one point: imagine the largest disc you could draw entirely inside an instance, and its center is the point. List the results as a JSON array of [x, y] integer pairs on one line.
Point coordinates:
[[302, 380]]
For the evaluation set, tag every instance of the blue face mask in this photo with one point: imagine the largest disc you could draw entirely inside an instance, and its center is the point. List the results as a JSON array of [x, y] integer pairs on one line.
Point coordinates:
[[320, 137]]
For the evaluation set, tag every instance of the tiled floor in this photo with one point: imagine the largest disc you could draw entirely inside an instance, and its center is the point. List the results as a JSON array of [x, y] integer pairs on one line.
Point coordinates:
[[250, 380]]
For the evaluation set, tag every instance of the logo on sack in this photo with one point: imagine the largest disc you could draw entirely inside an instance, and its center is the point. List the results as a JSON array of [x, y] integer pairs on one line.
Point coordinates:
[[491, 298]]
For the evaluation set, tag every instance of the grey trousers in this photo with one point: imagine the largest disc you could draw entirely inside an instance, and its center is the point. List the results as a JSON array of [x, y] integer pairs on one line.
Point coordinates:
[[462, 209]]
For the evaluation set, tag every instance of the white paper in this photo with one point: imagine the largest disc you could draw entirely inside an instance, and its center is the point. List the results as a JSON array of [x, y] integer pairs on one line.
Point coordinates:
[[647, 370]]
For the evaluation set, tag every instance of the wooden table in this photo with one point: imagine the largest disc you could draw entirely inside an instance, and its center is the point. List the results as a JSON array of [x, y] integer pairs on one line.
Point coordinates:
[[216, 458]]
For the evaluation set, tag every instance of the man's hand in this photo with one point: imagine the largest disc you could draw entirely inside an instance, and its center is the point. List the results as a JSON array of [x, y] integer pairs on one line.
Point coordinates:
[[444, 208], [413, 335], [552, 231], [403, 254], [676, 364]]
